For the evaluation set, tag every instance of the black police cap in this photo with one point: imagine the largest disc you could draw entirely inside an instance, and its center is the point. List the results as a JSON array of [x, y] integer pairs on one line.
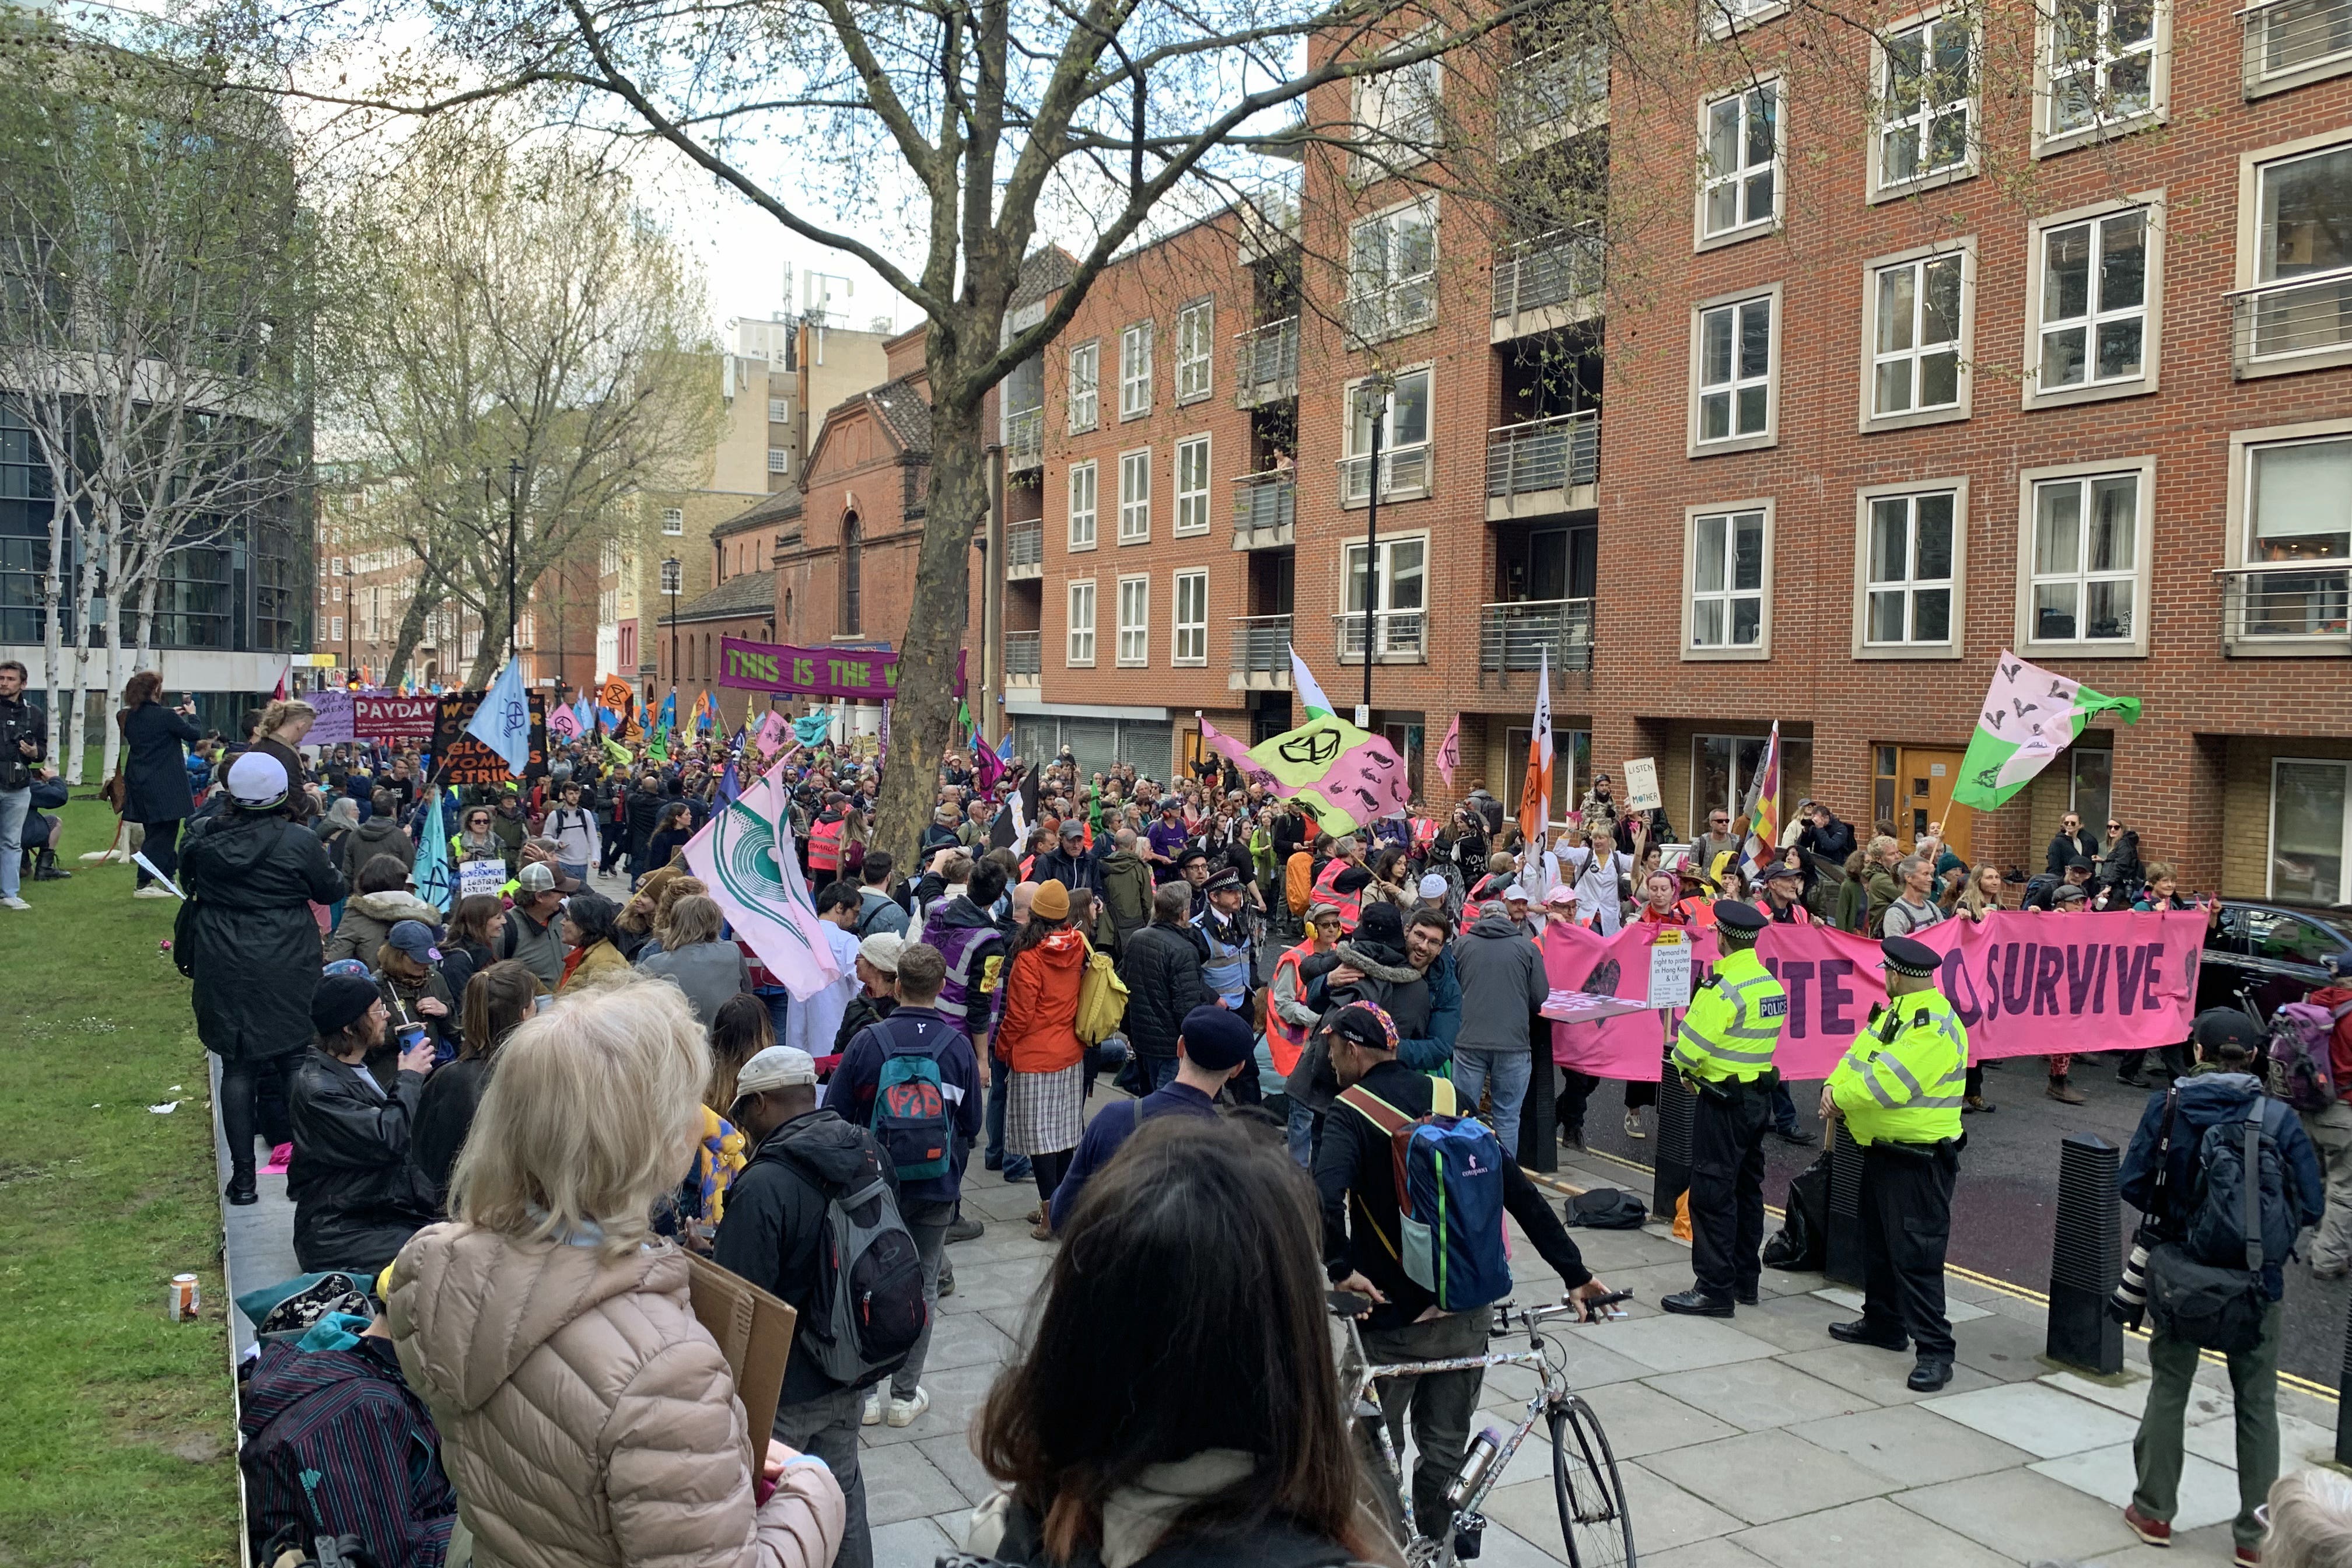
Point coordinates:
[[1732, 915], [1906, 956]]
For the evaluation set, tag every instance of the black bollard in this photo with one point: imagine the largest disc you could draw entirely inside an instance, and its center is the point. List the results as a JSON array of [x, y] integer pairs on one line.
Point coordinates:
[[2343, 1405], [1539, 1135], [2086, 1257], [1845, 1264], [1671, 1152]]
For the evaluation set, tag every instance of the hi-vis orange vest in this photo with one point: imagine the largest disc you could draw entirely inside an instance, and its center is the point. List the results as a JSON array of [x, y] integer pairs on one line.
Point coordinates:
[[825, 845], [1349, 905], [1283, 1039]]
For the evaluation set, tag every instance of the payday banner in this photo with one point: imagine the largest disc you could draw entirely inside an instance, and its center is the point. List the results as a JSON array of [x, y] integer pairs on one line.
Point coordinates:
[[387, 716], [2023, 984], [789, 672]]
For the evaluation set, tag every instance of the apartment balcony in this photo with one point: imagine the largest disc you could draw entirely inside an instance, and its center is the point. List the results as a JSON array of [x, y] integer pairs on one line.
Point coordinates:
[[1269, 222], [1551, 94], [2289, 42], [1023, 658], [1399, 636], [2295, 323], [1266, 510], [1261, 654], [1545, 283], [1514, 638], [1024, 552], [1024, 440], [1265, 363], [1543, 467], [2286, 609], [1404, 475]]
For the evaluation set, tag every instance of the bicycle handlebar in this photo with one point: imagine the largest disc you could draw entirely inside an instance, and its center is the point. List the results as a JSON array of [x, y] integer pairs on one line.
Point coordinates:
[[1532, 1317]]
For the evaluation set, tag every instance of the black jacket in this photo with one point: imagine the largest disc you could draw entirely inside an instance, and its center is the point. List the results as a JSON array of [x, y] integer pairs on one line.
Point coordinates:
[[445, 1114], [775, 1220], [357, 1195], [256, 951], [1355, 1179], [20, 721], [643, 812], [376, 835], [155, 765], [2066, 847], [1161, 967], [1083, 869], [1832, 846]]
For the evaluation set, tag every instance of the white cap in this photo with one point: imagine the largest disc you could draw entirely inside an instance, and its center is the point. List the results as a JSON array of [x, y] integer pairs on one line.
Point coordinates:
[[1432, 887], [256, 780], [778, 1067], [1515, 893], [881, 950]]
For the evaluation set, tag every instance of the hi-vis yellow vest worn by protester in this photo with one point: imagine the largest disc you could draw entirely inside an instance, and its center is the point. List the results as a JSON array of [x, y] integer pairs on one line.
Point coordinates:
[[1903, 1081], [1733, 1025]]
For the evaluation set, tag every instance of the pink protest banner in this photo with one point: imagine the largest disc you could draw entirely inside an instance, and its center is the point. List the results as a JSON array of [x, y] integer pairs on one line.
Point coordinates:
[[2023, 984]]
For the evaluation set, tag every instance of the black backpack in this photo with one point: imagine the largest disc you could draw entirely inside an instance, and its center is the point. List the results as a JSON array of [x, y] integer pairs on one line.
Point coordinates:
[[2207, 1289], [1605, 1208], [868, 1309]]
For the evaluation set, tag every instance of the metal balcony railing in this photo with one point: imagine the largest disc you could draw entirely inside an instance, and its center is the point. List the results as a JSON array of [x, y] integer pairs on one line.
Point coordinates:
[[1265, 363], [2285, 603], [1261, 645], [1024, 544], [1553, 454], [1549, 269], [1266, 500], [1516, 636], [1562, 84], [1402, 307], [2274, 322], [1396, 634], [1022, 653], [2287, 37], [1269, 220], [1404, 475], [1024, 439]]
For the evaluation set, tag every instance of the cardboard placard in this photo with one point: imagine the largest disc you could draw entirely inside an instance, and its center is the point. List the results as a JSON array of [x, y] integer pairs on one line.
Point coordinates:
[[483, 877], [754, 1331], [1642, 784]]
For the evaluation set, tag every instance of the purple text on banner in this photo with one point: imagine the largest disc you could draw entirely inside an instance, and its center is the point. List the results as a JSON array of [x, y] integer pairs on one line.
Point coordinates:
[[788, 671]]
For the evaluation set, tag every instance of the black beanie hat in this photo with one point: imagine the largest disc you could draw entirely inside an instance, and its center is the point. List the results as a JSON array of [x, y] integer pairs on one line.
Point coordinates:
[[341, 1001]]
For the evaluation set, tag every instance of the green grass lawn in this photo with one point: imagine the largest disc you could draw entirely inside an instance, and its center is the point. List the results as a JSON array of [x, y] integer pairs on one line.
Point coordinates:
[[116, 1427]]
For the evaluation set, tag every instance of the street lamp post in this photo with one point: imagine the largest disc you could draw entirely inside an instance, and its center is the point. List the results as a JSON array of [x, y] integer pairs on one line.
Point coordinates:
[[670, 573], [514, 528], [1375, 389]]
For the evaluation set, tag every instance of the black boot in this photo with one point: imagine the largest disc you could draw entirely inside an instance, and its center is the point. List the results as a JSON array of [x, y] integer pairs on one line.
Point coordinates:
[[1930, 1374], [1696, 1303], [44, 867], [240, 1191]]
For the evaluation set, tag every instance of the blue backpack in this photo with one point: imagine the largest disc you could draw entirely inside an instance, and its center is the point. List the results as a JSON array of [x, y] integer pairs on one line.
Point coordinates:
[[910, 1104], [1449, 1187]]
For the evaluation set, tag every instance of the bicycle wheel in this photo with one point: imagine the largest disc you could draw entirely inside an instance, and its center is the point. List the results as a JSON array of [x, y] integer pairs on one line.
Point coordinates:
[[1593, 1516]]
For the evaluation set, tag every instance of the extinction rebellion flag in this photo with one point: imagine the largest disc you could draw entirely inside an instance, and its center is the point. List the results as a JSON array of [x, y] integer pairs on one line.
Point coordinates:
[[2029, 717]]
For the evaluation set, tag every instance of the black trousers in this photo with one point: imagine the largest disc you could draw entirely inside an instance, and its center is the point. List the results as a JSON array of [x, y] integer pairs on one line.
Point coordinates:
[[256, 1096], [1727, 1187], [162, 848], [1906, 1222]]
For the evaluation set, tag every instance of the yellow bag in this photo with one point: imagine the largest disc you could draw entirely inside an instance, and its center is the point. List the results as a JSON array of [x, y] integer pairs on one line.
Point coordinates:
[[1102, 1000]]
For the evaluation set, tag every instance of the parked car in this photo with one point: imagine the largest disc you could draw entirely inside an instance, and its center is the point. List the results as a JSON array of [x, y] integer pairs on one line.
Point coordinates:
[[2272, 953]]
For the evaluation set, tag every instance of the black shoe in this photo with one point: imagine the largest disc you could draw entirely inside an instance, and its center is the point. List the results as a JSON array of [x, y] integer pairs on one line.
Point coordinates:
[[45, 867], [1695, 1303], [1744, 1295], [1799, 1136], [2131, 1079], [1572, 1138], [240, 1191], [1859, 1332], [965, 1230], [1932, 1373]]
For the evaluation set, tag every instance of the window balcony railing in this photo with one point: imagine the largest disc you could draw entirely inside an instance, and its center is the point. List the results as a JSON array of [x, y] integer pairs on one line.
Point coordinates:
[[1024, 654], [1555, 454], [1269, 220], [1404, 475], [1024, 548], [1265, 363], [1398, 635], [2284, 606], [1266, 507], [2276, 324], [1518, 636], [1561, 86], [1024, 439], [2294, 39], [1549, 269], [1262, 646], [1377, 315]]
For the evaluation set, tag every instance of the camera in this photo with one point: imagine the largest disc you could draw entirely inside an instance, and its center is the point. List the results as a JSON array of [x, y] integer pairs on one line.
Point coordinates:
[[2129, 1301]]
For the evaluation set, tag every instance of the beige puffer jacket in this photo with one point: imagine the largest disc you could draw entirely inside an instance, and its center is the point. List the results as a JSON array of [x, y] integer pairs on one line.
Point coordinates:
[[585, 1417]]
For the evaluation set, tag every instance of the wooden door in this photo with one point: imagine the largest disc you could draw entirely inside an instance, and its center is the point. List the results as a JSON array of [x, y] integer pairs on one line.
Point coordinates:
[[1923, 796]]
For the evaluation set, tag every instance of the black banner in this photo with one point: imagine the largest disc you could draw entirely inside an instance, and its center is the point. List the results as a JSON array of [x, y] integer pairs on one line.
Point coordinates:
[[459, 759]]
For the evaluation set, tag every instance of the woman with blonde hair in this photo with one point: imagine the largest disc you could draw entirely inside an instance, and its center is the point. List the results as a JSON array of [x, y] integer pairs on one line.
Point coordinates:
[[283, 723], [2310, 1522], [695, 959], [583, 1411]]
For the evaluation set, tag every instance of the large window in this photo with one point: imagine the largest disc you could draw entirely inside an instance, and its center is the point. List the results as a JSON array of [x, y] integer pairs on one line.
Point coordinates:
[[1723, 774], [2093, 283], [1135, 370], [1907, 596], [1739, 188], [853, 565], [2298, 539], [1729, 579], [673, 519], [1396, 117], [1134, 620], [1191, 617], [1195, 349], [1397, 617], [2299, 312], [1135, 496], [1927, 101], [1392, 271], [2085, 557], [2311, 823], [1733, 398], [2102, 66], [1081, 650], [1404, 420], [1083, 483], [1086, 380], [1915, 362], [1193, 485]]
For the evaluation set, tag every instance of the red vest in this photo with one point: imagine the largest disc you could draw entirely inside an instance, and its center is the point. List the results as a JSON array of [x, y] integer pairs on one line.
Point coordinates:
[[825, 845], [1349, 905]]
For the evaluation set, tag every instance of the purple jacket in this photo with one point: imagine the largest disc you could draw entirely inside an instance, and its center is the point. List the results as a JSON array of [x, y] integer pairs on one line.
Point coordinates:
[[966, 937]]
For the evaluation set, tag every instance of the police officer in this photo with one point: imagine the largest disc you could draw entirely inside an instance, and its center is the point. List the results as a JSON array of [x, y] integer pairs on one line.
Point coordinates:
[[1724, 1052], [1899, 1090]]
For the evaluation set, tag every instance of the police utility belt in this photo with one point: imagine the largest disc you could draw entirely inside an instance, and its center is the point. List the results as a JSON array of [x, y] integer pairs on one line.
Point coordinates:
[[1732, 1087], [1940, 1149]]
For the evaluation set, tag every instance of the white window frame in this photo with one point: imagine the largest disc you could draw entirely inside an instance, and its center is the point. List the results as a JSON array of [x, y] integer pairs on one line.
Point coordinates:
[[1078, 646], [337, 595], [2249, 258], [673, 519], [1721, 18], [338, 570], [1135, 496], [1419, 452], [2028, 483], [1965, 252], [2237, 546], [1762, 648], [1134, 591], [1865, 502], [1085, 520], [2269, 838], [1196, 354], [1086, 386], [1420, 90], [1192, 629], [780, 410], [1191, 503], [1135, 370], [1392, 647], [1770, 435], [336, 634], [780, 459], [2049, 138], [2260, 82], [1399, 304], [1710, 178], [1919, 117], [2151, 307]]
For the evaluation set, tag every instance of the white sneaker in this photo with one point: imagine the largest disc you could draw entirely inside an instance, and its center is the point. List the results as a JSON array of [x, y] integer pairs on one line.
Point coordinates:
[[872, 1415], [904, 1411], [13, 902], [151, 890], [1633, 1125]]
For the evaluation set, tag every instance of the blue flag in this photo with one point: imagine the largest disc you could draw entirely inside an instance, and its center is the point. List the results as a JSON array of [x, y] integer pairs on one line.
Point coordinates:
[[503, 721], [729, 789], [667, 718], [811, 728], [434, 884], [1004, 748]]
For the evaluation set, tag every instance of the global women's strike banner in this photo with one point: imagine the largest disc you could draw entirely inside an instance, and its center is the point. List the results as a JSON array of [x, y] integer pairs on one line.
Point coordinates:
[[788, 671], [2023, 983]]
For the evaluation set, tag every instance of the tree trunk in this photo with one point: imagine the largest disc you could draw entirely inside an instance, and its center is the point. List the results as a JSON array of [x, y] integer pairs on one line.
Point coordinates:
[[53, 588], [411, 632], [69, 726], [119, 578]]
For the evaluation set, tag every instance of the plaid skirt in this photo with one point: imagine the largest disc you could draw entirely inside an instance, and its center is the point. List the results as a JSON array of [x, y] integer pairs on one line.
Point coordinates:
[[1044, 1112]]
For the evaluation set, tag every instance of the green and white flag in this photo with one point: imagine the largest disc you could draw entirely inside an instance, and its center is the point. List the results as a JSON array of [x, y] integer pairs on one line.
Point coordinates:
[[2029, 717]]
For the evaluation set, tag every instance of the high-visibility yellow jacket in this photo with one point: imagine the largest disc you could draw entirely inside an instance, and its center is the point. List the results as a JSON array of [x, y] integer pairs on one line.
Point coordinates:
[[1733, 1025], [1903, 1081]]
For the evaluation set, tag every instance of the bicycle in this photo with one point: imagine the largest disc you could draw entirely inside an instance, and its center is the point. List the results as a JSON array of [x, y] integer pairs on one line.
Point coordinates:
[[1595, 1522]]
